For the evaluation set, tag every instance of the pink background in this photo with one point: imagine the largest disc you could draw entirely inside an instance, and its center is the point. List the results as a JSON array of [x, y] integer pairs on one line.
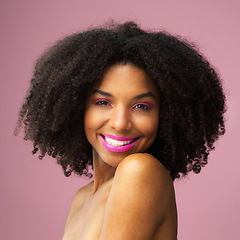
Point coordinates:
[[35, 195]]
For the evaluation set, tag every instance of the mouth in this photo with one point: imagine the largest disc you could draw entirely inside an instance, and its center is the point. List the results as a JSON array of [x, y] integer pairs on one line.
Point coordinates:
[[117, 144]]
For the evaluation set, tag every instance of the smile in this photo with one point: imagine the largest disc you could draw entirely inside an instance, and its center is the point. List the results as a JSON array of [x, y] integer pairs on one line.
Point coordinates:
[[117, 144]]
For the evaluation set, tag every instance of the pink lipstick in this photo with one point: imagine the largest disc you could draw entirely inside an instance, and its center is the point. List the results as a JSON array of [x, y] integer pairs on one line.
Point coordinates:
[[119, 138], [117, 144]]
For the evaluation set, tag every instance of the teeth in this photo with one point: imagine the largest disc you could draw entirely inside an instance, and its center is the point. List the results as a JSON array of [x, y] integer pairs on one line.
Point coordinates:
[[116, 142]]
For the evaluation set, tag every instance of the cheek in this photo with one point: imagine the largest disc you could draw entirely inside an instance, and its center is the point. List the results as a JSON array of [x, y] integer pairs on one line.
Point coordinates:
[[148, 126], [152, 129], [92, 122], [88, 123]]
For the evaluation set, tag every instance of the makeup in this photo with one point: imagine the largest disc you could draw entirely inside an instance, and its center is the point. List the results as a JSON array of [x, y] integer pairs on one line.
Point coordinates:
[[101, 102], [117, 144], [143, 106]]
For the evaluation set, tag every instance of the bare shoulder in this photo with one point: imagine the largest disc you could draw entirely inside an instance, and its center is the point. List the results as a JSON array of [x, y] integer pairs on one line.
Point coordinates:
[[78, 200], [144, 166], [145, 171], [82, 193], [143, 159], [142, 196]]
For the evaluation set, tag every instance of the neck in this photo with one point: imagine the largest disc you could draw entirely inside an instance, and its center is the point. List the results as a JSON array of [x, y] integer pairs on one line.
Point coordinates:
[[102, 171]]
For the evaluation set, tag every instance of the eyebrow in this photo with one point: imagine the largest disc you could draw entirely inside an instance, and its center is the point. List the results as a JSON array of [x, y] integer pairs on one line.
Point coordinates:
[[148, 94], [103, 93]]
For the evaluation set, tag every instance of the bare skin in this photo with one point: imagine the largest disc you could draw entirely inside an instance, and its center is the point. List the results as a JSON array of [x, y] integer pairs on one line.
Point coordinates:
[[132, 196], [130, 205]]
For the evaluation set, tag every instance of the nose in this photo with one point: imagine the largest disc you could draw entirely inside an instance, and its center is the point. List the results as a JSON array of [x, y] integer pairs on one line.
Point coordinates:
[[120, 119]]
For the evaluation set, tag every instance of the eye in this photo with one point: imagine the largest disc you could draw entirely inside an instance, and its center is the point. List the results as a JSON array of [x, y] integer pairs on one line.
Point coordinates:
[[143, 106], [101, 102]]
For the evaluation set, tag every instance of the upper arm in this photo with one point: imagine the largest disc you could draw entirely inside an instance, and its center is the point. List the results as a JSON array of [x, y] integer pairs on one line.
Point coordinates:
[[73, 208], [138, 199], [77, 202]]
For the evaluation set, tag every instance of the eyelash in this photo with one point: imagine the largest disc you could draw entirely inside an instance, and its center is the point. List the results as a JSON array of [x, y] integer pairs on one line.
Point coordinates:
[[101, 102], [139, 106], [143, 106]]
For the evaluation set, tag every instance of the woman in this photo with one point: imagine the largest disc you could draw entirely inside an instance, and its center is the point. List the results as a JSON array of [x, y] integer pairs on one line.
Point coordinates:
[[142, 107]]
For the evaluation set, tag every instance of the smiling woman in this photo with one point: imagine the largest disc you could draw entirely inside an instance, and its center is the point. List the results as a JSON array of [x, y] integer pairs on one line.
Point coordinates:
[[142, 107], [119, 119]]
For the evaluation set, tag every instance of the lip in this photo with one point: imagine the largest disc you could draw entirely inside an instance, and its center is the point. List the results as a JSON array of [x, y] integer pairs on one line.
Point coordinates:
[[124, 148], [118, 138]]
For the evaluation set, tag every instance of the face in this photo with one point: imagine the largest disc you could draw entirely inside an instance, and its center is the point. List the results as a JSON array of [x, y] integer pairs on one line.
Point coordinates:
[[122, 114]]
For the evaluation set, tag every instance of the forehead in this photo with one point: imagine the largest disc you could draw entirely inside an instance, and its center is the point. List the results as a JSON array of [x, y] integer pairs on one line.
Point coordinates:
[[127, 78]]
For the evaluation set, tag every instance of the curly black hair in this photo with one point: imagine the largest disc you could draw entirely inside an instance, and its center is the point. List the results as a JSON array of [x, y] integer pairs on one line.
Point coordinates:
[[192, 98]]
